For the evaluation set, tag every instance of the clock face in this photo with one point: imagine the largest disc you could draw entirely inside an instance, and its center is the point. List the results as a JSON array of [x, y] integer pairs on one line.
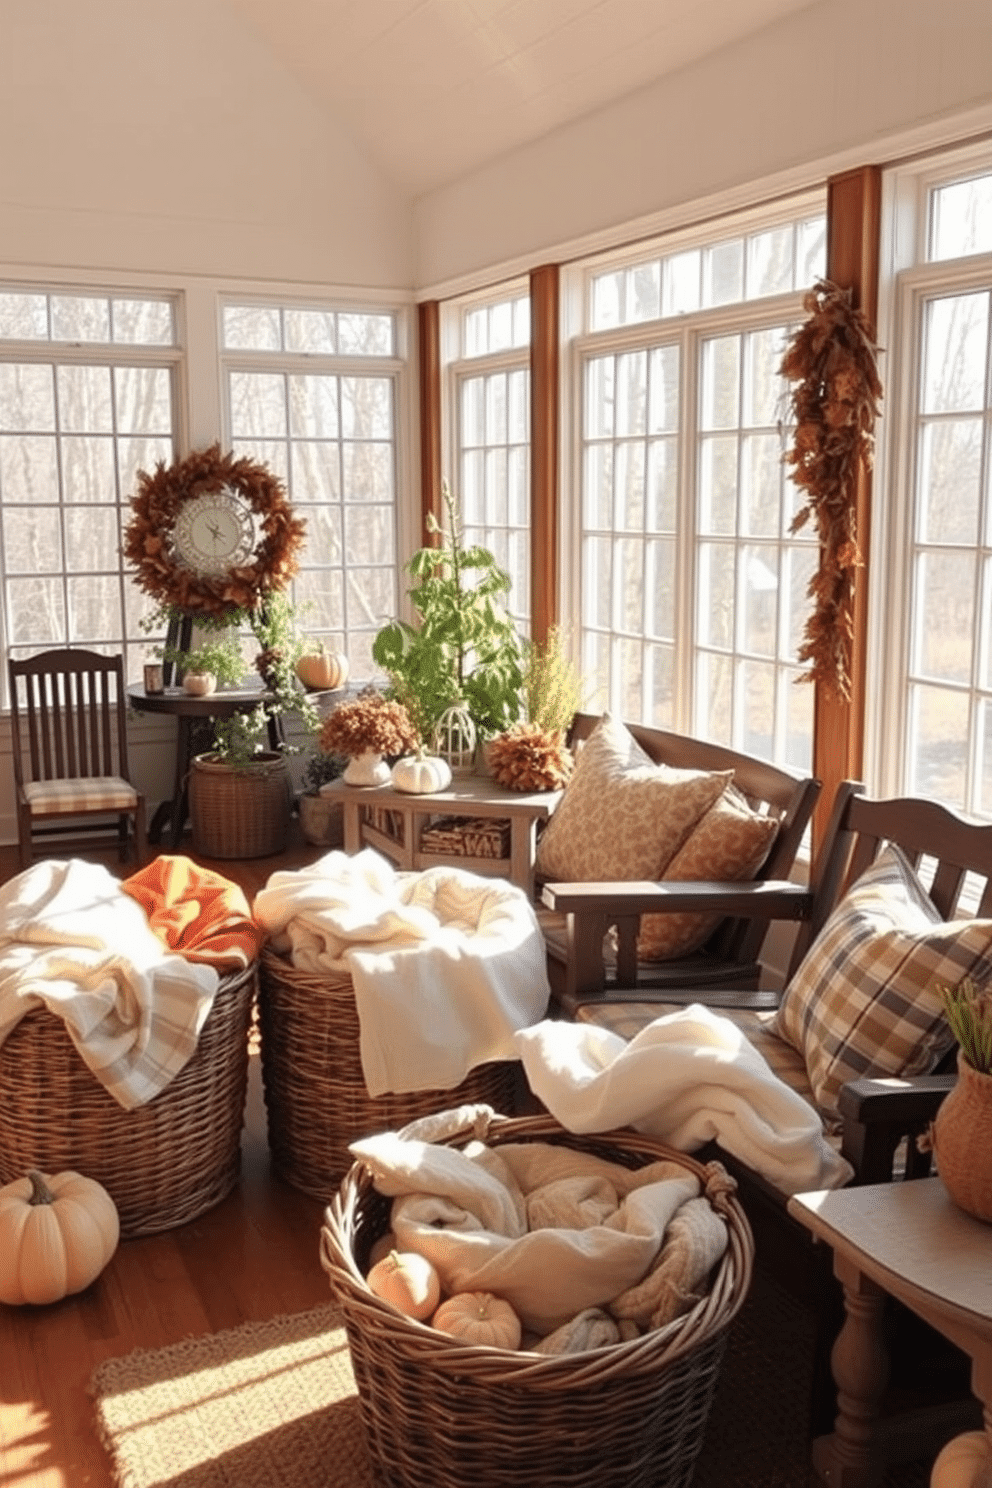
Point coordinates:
[[214, 533]]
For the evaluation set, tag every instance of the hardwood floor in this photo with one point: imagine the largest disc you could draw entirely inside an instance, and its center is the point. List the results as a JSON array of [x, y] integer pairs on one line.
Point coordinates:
[[253, 1256]]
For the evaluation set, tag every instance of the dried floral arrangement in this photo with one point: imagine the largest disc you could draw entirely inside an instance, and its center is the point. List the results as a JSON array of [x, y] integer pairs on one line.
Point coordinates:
[[155, 506], [529, 758], [370, 721], [833, 360]]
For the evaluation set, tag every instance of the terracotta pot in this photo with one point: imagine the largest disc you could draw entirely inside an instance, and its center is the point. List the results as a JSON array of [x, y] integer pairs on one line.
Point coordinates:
[[962, 1141], [199, 684], [322, 820]]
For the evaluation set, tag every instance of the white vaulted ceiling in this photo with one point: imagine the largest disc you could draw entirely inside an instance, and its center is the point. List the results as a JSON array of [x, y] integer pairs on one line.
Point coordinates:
[[433, 89]]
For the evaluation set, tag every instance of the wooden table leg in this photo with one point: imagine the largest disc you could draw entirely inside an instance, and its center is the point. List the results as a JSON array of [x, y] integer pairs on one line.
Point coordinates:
[[860, 1364]]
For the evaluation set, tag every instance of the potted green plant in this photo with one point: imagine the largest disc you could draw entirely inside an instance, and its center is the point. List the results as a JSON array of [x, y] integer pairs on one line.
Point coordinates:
[[320, 814], [464, 651], [216, 660]]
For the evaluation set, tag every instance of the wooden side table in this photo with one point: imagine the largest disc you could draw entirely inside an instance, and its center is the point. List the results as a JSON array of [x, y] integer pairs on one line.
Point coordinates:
[[467, 796], [911, 1241]]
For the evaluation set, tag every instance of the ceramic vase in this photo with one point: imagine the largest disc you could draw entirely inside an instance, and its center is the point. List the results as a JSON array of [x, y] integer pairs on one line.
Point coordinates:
[[199, 684], [962, 1141], [367, 768]]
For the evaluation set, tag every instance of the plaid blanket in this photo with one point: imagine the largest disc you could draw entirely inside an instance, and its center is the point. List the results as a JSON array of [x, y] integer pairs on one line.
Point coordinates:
[[72, 941]]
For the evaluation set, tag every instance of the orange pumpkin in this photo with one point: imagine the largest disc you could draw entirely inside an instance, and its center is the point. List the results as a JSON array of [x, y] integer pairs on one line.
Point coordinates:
[[479, 1317], [407, 1281], [323, 670]]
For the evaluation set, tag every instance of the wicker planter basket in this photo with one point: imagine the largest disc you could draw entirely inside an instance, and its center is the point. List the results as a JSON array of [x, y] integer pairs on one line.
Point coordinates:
[[439, 1414], [163, 1163], [240, 813], [315, 1095]]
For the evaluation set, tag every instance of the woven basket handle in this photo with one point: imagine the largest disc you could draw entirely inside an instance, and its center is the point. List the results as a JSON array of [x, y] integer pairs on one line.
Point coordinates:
[[439, 1126]]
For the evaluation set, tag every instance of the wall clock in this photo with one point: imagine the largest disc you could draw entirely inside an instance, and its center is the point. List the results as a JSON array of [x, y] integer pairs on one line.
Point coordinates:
[[212, 534]]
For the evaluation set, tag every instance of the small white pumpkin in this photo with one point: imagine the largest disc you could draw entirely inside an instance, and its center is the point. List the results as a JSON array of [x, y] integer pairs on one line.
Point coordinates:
[[420, 775], [56, 1236], [479, 1317]]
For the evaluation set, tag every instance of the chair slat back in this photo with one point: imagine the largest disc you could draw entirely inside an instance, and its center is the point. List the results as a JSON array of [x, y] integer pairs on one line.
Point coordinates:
[[956, 851], [72, 706]]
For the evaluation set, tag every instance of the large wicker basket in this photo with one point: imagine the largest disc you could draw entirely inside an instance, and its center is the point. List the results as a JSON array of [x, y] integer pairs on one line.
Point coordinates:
[[440, 1414], [240, 813], [315, 1094], [163, 1163]]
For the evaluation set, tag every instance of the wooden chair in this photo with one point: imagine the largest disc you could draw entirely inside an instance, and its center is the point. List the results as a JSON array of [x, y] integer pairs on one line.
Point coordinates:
[[71, 777], [581, 964], [882, 1118]]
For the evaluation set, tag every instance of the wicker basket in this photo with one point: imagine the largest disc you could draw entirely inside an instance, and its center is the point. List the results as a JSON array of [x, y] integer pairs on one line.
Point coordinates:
[[439, 1414], [240, 813], [163, 1163], [315, 1094]]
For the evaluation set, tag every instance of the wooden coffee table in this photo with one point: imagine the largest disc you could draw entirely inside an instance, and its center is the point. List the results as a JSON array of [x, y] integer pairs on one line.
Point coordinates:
[[467, 796], [911, 1241]]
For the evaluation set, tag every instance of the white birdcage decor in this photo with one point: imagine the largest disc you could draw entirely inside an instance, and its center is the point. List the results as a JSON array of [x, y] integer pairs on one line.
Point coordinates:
[[455, 738]]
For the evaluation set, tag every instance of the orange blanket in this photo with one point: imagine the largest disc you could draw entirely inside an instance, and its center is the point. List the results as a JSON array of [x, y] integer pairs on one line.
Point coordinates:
[[196, 912]]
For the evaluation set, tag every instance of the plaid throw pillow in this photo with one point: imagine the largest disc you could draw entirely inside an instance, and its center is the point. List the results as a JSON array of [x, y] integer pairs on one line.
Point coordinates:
[[865, 1001]]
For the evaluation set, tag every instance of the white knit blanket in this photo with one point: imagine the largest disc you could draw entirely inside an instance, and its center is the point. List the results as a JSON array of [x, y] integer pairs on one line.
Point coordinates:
[[447, 965], [686, 1078], [72, 941]]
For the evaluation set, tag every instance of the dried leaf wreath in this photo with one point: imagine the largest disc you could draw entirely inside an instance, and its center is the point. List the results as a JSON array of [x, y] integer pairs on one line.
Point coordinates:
[[148, 535], [833, 358]]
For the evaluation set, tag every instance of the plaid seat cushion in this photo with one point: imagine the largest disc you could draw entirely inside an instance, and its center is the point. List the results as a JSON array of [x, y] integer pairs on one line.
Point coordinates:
[[87, 793], [865, 1002]]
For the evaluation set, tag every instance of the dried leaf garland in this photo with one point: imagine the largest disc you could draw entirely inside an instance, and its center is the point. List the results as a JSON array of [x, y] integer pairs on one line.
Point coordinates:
[[160, 495], [833, 360]]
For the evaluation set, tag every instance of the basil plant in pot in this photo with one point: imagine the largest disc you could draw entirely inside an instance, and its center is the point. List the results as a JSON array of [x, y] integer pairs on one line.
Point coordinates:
[[464, 652]]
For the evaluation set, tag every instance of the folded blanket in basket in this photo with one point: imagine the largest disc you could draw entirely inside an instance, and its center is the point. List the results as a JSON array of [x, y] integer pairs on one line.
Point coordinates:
[[687, 1078], [553, 1230], [72, 941], [197, 912], [446, 965]]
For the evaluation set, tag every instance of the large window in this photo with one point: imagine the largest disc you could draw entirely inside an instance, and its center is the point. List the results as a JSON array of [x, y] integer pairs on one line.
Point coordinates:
[[489, 392], [312, 392], [692, 589], [87, 398], [933, 573]]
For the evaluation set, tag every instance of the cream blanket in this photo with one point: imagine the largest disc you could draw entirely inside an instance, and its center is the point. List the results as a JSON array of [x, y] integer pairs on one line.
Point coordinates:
[[554, 1231], [446, 965], [72, 941], [687, 1078]]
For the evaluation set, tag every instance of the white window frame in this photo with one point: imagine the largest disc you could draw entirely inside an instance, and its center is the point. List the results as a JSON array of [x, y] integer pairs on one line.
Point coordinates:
[[394, 367], [907, 281], [689, 331]]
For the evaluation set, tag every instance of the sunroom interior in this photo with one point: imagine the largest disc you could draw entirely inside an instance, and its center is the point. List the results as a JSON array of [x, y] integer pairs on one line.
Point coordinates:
[[549, 254]]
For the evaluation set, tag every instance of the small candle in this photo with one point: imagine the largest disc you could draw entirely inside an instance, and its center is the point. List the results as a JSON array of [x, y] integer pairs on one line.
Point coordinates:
[[153, 678]]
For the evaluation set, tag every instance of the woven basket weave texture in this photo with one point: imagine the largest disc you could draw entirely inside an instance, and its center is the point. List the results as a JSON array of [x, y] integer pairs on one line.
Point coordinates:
[[962, 1141], [315, 1094], [240, 813], [165, 1162], [440, 1414]]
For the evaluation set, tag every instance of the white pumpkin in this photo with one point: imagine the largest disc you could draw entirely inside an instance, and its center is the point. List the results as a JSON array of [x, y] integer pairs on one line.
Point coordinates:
[[420, 775], [56, 1236], [479, 1318]]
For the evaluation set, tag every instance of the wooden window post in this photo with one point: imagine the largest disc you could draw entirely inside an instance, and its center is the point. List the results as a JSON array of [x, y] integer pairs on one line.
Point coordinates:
[[544, 422]]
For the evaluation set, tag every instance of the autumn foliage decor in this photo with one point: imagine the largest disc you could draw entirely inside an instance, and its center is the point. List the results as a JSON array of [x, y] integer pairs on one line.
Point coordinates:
[[832, 359], [529, 758], [370, 722]]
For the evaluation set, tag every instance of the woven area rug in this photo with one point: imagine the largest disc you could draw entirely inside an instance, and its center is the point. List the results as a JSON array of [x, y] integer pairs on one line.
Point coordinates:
[[274, 1404], [264, 1404]]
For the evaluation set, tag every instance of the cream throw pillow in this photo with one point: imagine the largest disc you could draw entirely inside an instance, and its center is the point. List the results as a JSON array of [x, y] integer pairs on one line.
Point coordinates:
[[864, 1002], [622, 817], [729, 845]]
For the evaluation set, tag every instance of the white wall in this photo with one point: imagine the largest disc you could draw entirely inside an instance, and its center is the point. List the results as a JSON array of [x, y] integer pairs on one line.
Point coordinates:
[[158, 135], [835, 84]]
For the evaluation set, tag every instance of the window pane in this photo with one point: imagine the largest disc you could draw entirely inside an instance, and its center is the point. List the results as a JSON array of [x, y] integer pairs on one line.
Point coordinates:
[[27, 397], [23, 317], [312, 331], [80, 318], [955, 352], [950, 471], [84, 399], [143, 322], [944, 616], [961, 218], [938, 741], [770, 262], [721, 382]]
